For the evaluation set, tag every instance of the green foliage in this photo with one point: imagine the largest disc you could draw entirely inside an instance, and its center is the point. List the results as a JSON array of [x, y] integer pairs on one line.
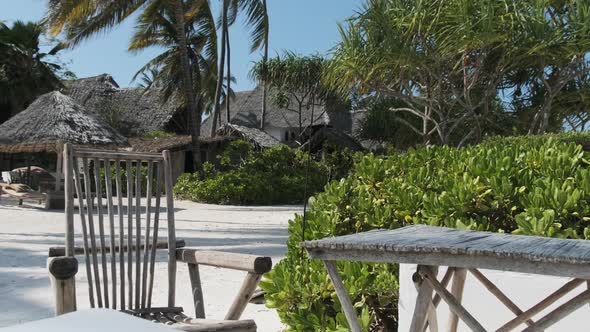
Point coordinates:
[[270, 176], [536, 185], [123, 172], [159, 134]]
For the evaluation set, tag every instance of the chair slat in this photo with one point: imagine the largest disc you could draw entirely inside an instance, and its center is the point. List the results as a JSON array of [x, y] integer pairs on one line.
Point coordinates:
[[159, 175], [78, 186], [121, 232], [89, 212], [137, 232], [101, 232], [148, 213], [112, 235], [171, 230], [129, 235]]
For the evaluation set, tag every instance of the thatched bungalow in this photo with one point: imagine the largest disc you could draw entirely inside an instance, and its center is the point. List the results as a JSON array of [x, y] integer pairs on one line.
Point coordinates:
[[280, 123], [257, 137], [40, 131], [132, 111]]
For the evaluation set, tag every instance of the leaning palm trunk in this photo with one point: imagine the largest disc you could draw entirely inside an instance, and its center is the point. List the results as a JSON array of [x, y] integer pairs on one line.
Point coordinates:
[[216, 106], [264, 84], [194, 114], [228, 77]]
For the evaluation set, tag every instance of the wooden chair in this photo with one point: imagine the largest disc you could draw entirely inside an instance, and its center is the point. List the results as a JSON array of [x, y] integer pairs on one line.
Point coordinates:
[[119, 246]]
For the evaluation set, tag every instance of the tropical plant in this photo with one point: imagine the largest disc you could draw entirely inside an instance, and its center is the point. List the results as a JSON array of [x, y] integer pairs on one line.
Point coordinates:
[[537, 185], [25, 70], [80, 20], [245, 176], [296, 83], [448, 61]]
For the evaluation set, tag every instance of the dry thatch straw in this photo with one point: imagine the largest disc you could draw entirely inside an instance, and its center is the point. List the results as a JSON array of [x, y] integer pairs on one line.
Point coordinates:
[[54, 119]]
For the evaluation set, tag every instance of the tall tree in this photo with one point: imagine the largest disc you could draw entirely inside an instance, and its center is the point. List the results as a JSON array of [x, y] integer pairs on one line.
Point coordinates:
[[81, 20], [297, 86], [25, 70], [257, 20]]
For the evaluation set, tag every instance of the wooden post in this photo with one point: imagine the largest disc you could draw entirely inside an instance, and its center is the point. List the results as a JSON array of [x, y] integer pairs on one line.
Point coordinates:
[[457, 291], [343, 296], [423, 300], [171, 229], [432, 317], [69, 199], [244, 296], [193, 271], [58, 172], [62, 272]]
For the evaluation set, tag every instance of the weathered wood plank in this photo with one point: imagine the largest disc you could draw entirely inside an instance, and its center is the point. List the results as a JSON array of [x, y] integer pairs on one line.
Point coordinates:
[[78, 185], [159, 175], [69, 198], [426, 245], [230, 260], [112, 234], [62, 271], [171, 229], [129, 177], [137, 233], [91, 233], [60, 251], [101, 231], [146, 250], [114, 155], [119, 188]]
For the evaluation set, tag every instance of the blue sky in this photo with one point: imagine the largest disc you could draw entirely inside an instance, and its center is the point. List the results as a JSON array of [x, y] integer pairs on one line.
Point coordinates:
[[303, 26]]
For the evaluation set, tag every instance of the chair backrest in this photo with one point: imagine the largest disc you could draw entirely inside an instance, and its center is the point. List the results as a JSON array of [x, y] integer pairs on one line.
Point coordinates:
[[118, 244]]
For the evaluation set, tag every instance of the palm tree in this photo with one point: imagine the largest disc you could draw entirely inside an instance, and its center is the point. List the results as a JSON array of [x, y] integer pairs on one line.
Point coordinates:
[[257, 19], [25, 71], [81, 20]]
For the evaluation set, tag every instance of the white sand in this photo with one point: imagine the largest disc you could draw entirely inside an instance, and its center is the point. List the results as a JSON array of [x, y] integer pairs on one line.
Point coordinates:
[[27, 233]]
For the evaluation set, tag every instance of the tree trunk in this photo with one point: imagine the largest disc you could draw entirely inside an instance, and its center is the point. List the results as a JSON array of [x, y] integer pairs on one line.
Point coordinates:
[[189, 90], [227, 93], [265, 61], [216, 106]]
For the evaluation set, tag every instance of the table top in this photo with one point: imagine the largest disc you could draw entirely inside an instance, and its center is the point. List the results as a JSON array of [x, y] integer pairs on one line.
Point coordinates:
[[92, 320], [440, 246]]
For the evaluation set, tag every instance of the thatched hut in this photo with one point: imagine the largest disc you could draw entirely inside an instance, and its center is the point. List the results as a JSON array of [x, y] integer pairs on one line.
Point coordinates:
[[132, 111], [49, 122]]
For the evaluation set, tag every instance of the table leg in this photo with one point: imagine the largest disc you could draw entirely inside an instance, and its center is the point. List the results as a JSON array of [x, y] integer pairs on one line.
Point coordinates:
[[423, 300], [343, 296], [457, 291]]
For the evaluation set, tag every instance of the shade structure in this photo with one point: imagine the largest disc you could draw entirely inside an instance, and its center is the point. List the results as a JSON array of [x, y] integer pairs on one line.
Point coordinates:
[[54, 119]]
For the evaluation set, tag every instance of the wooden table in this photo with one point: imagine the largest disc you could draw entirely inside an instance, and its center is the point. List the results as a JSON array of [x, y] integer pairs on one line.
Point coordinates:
[[462, 251], [92, 320]]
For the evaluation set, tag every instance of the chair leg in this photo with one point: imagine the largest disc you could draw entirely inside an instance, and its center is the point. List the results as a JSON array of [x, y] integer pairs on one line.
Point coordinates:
[[423, 300], [62, 272], [248, 287], [457, 291], [193, 270]]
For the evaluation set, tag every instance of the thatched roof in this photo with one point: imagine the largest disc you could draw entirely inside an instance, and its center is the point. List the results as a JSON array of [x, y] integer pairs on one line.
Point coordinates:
[[246, 108], [175, 143], [134, 111], [332, 136], [53, 119], [254, 135]]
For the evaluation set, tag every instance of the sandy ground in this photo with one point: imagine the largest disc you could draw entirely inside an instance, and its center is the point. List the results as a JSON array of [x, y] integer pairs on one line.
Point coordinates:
[[27, 233]]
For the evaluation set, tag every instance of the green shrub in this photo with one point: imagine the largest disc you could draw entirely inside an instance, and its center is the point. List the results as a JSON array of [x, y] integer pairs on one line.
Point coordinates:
[[524, 185], [271, 176]]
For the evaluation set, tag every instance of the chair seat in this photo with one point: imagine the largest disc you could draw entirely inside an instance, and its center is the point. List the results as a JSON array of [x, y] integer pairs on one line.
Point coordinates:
[[175, 318]]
